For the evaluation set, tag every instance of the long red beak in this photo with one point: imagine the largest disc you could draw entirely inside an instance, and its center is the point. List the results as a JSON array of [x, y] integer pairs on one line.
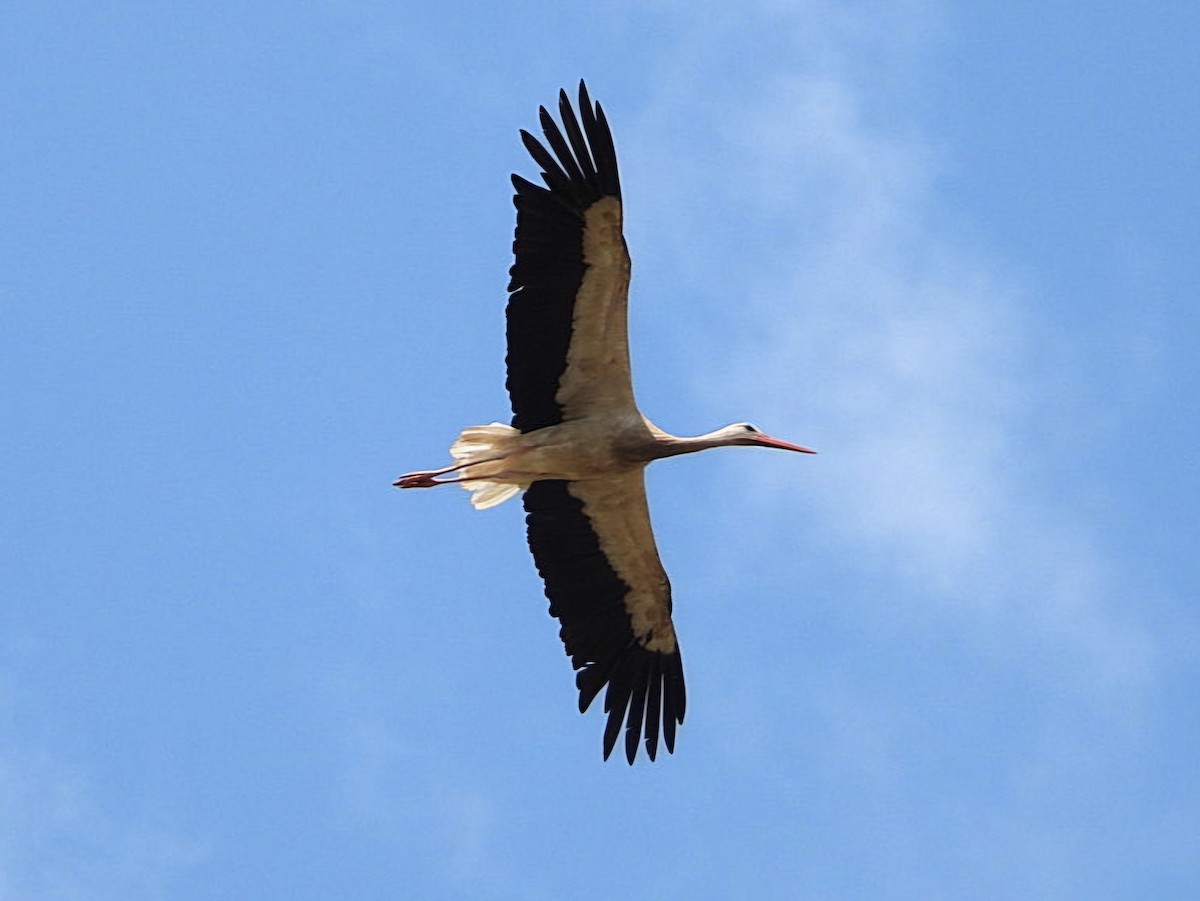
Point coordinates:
[[768, 441]]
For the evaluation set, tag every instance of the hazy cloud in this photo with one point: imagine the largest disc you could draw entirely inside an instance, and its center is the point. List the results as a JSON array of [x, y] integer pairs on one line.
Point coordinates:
[[59, 841], [864, 319]]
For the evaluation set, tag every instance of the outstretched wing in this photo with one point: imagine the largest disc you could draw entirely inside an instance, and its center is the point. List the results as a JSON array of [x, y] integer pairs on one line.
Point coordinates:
[[594, 548], [568, 348]]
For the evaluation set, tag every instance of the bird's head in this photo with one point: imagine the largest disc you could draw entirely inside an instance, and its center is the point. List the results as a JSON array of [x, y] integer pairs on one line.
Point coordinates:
[[748, 434]]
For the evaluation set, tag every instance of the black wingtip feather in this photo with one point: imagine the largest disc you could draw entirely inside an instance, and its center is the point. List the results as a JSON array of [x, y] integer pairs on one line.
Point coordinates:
[[589, 681], [616, 716], [585, 101], [674, 704], [552, 172], [576, 182], [637, 708], [579, 147], [653, 708]]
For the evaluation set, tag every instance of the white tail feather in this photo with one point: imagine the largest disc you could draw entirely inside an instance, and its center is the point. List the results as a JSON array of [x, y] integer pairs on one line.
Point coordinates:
[[482, 449], [482, 442], [486, 494]]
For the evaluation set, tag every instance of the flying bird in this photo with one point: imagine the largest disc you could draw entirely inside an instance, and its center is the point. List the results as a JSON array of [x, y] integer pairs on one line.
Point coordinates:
[[578, 444]]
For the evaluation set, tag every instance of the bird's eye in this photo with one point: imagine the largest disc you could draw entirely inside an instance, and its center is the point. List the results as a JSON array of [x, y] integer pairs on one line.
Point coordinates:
[[748, 427]]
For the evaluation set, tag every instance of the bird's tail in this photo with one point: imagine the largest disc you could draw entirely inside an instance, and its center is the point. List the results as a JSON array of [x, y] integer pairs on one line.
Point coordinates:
[[482, 451]]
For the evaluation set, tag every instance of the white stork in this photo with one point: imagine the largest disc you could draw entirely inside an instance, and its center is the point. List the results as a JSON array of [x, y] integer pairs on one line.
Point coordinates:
[[578, 443]]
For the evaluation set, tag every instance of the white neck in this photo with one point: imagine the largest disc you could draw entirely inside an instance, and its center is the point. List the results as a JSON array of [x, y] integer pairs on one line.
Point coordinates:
[[672, 446]]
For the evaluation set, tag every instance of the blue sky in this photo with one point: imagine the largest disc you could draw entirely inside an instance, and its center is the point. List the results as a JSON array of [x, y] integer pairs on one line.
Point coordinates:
[[252, 268]]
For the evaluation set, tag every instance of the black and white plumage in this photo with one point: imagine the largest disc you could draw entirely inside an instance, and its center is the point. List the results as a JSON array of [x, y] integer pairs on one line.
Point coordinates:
[[578, 444]]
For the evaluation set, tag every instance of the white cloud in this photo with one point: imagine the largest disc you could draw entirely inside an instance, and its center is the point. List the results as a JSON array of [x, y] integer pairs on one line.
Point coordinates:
[[408, 789], [860, 321], [59, 841]]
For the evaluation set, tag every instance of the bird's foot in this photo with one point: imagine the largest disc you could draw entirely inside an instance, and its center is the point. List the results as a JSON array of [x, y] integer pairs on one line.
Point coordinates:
[[417, 480], [424, 479]]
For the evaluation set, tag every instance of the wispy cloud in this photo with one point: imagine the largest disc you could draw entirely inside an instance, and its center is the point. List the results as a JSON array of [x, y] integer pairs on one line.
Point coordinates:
[[449, 825], [60, 842], [864, 320]]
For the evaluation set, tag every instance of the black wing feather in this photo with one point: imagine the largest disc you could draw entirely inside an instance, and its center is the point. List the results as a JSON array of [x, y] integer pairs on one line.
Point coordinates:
[[548, 248], [563, 152], [552, 173], [674, 700], [637, 709], [578, 144], [587, 597], [653, 708]]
